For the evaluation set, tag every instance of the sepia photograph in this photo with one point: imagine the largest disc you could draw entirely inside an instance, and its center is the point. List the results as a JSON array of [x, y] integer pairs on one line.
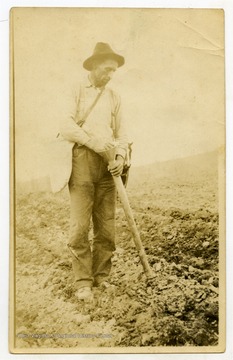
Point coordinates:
[[117, 180]]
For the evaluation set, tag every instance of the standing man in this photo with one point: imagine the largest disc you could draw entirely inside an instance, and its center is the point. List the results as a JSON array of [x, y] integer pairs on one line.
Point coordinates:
[[95, 124]]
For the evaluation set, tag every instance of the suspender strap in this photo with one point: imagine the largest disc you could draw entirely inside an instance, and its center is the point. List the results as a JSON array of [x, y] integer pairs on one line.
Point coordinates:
[[89, 110]]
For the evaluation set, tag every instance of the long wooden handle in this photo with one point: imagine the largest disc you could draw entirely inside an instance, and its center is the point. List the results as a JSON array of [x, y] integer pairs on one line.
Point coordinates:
[[129, 215]]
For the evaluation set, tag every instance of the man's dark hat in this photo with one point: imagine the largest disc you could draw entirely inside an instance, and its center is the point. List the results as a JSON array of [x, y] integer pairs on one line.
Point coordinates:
[[103, 51]]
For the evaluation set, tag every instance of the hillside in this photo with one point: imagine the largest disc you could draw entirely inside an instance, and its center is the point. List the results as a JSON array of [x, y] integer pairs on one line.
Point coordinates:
[[198, 167], [187, 168]]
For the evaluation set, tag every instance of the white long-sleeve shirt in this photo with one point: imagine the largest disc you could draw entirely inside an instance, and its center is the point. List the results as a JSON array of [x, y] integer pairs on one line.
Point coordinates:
[[105, 120]]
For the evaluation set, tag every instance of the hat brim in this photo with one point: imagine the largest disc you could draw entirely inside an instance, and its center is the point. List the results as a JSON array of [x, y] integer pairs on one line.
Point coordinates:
[[89, 62]]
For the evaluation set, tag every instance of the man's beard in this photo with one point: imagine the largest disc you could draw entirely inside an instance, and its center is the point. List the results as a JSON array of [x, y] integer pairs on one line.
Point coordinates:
[[102, 81]]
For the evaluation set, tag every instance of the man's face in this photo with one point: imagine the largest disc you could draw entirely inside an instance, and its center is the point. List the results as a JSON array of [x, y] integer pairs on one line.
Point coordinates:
[[102, 72]]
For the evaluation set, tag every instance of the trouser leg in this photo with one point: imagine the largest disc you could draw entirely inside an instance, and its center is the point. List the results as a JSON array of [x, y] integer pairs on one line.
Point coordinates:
[[81, 203], [104, 228]]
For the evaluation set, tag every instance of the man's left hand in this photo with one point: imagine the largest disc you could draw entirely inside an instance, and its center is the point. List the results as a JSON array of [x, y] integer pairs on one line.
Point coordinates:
[[117, 168]]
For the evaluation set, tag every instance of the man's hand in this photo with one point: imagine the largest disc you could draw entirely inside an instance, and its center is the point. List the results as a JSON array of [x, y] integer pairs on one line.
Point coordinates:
[[99, 145], [117, 168]]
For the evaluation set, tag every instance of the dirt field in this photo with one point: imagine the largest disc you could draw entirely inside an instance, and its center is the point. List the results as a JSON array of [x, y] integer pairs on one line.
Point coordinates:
[[178, 223]]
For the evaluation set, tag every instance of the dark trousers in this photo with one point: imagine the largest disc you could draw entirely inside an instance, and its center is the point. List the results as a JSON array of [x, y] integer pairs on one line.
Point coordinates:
[[92, 195]]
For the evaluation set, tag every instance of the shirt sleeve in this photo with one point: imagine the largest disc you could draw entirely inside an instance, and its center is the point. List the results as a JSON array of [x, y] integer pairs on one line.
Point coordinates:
[[69, 129], [120, 127]]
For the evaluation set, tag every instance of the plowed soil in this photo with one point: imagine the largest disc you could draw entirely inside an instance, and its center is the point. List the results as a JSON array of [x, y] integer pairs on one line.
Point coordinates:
[[178, 224]]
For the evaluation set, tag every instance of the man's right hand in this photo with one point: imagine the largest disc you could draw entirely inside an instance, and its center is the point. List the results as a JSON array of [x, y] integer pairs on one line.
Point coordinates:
[[99, 145]]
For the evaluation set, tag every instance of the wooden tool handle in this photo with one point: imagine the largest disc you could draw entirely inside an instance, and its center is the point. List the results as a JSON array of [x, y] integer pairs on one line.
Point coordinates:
[[129, 215]]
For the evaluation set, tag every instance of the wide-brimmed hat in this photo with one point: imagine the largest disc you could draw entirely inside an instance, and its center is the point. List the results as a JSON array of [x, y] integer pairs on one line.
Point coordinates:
[[103, 51]]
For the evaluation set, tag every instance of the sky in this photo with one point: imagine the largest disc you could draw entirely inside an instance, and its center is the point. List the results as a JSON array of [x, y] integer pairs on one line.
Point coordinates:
[[172, 83]]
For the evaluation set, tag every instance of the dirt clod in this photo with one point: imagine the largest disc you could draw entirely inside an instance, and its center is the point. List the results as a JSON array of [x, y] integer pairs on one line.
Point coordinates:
[[177, 307]]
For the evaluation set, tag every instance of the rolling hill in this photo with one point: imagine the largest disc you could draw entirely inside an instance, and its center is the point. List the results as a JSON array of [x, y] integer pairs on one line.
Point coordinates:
[[183, 169]]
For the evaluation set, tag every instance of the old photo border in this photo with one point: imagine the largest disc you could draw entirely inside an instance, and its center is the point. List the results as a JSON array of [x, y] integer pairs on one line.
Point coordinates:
[[195, 349]]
